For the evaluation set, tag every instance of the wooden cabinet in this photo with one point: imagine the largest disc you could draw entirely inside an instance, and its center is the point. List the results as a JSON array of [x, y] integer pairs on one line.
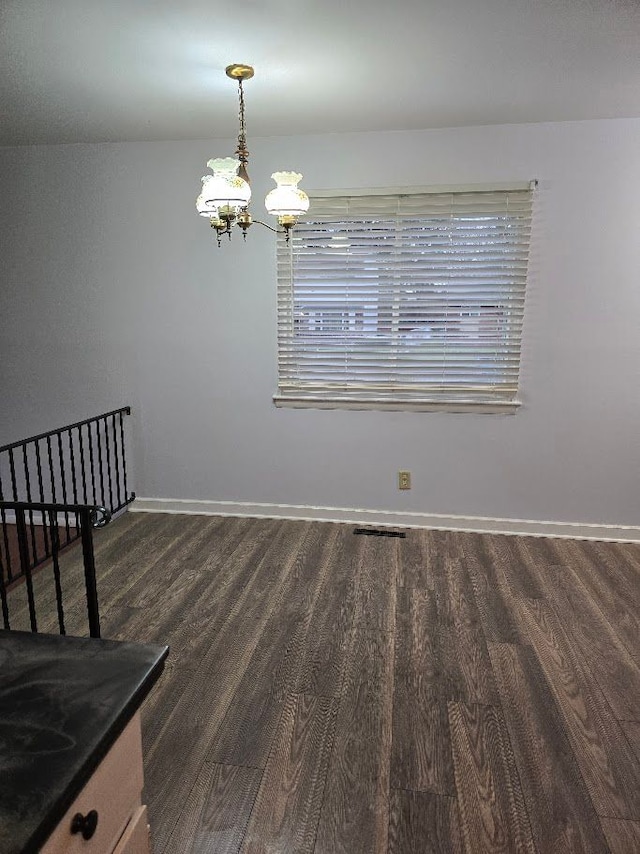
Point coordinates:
[[135, 839], [114, 792]]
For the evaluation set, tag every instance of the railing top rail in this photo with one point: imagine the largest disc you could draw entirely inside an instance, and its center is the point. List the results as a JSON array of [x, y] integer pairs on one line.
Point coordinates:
[[126, 410], [100, 515]]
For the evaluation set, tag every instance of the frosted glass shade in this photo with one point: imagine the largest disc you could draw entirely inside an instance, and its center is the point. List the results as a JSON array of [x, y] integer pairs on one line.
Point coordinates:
[[224, 191], [203, 205], [287, 199]]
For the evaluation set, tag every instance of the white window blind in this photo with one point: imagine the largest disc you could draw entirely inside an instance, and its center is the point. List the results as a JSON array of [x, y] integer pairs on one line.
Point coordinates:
[[404, 298]]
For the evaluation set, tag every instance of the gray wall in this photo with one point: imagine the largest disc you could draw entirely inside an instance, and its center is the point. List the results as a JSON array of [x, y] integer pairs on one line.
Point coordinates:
[[113, 292]]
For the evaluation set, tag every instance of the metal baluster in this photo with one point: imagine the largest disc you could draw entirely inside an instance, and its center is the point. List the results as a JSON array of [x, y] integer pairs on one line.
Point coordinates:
[[3, 597], [100, 468], [25, 568], [5, 537], [73, 468], [55, 550], [14, 484], [90, 573], [51, 471], [92, 461], [63, 483], [82, 465], [124, 459], [106, 441], [115, 456], [27, 481], [14, 490], [45, 527], [73, 477], [53, 480], [4, 571]]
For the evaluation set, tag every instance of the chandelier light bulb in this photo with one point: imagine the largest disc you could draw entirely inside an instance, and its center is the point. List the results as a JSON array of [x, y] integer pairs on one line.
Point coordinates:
[[287, 199]]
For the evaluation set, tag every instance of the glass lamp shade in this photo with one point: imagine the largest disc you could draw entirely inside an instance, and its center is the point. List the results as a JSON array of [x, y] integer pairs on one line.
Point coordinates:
[[287, 199], [204, 206], [224, 191]]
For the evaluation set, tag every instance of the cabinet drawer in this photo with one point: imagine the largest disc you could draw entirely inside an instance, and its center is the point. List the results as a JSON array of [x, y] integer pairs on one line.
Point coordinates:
[[114, 791], [135, 839]]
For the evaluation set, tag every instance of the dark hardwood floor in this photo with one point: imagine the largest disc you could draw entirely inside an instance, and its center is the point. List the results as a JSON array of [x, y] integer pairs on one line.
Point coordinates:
[[344, 694]]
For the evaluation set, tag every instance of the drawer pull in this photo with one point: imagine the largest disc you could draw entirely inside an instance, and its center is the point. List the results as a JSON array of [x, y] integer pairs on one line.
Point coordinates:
[[85, 824]]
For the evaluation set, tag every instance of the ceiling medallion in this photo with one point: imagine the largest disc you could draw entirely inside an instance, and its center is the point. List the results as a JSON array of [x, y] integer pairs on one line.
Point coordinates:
[[226, 194]]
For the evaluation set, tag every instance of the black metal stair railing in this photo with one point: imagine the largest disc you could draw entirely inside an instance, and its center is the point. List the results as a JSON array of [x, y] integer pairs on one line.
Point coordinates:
[[51, 486], [81, 463], [49, 515]]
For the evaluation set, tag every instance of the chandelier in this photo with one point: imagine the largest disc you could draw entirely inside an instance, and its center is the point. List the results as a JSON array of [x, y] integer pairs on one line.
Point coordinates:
[[226, 194]]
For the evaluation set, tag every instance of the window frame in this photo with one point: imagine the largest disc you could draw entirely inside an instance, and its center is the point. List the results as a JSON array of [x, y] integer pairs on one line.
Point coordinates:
[[343, 400]]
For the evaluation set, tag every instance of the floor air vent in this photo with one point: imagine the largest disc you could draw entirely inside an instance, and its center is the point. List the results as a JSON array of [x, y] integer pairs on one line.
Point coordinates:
[[376, 532]]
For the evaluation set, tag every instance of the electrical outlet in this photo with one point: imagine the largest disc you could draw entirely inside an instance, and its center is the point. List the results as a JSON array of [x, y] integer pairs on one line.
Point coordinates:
[[404, 480]]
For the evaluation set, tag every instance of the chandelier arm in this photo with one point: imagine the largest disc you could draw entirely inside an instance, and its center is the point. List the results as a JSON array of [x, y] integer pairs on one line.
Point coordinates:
[[286, 230], [270, 227]]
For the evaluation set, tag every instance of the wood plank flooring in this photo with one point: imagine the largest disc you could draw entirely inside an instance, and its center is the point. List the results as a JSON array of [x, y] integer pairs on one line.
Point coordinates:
[[336, 694]]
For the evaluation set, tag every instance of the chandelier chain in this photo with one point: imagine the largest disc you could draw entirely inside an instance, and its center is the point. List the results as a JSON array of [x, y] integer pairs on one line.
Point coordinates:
[[242, 152]]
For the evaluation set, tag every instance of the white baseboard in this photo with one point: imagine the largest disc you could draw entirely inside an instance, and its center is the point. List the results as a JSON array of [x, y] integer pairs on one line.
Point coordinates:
[[396, 519]]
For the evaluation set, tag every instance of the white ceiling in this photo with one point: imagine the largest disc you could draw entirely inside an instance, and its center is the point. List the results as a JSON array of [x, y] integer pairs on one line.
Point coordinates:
[[106, 70]]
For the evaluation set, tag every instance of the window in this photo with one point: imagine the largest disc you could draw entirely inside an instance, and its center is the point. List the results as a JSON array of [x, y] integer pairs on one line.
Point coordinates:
[[404, 300]]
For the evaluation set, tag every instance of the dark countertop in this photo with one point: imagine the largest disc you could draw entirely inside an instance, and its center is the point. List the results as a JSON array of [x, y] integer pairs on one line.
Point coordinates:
[[63, 703]]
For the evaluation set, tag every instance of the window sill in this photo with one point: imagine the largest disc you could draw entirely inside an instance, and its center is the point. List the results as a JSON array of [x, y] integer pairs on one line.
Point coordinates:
[[505, 407]]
